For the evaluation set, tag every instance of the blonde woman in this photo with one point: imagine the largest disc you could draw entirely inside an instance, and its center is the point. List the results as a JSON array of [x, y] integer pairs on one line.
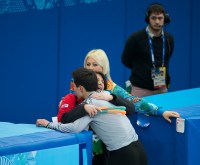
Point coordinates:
[[97, 60]]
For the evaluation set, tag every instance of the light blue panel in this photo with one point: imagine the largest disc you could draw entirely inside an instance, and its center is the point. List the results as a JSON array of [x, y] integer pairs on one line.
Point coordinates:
[[10, 129], [24, 144], [177, 99], [66, 155]]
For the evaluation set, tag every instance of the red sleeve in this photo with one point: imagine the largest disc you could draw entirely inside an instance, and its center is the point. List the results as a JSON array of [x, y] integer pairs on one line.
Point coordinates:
[[67, 103]]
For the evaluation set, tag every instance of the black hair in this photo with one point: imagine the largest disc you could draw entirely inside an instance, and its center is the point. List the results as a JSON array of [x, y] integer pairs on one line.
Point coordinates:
[[86, 78], [104, 79], [157, 8]]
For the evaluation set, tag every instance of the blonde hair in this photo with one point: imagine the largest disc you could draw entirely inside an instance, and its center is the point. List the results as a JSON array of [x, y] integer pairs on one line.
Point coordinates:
[[101, 58]]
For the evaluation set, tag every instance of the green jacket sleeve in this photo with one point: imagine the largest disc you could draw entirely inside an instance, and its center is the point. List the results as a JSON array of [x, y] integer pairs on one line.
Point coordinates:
[[140, 104]]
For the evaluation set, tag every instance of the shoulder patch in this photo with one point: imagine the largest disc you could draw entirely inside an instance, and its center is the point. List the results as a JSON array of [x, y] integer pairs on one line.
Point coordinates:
[[64, 105]]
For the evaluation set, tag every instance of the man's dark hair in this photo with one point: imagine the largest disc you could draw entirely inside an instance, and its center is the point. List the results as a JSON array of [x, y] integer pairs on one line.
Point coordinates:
[[86, 78], [155, 8]]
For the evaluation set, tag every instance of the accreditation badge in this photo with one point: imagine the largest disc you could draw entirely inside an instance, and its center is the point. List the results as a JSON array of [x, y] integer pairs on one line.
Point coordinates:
[[159, 75]]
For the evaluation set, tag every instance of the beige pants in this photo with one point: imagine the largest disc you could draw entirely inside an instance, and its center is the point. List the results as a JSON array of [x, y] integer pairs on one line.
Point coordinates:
[[141, 92]]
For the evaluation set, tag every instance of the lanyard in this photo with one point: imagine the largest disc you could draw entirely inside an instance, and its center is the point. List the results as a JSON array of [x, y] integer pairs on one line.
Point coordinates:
[[151, 48]]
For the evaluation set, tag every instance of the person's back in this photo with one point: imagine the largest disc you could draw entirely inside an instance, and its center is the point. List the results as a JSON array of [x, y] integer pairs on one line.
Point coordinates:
[[118, 134], [115, 130]]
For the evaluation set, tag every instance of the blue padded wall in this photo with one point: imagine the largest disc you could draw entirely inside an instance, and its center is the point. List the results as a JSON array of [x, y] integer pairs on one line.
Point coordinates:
[[195, 45], [85, 27], [42, 42], [28, 65]]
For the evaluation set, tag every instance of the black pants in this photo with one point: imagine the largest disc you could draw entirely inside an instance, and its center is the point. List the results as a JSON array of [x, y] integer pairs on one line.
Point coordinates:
[[98, 160], [102, 158], [133, 154]]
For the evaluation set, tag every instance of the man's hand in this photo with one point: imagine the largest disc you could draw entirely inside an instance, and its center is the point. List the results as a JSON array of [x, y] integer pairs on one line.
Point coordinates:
[[168, 114], [42, 122], [92, 110]]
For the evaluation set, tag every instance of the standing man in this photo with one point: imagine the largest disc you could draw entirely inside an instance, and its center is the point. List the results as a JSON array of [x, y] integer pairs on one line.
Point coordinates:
[[147, 53]]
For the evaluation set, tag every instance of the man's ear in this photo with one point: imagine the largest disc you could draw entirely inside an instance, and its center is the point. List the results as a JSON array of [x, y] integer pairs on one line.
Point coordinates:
[[81, 88]]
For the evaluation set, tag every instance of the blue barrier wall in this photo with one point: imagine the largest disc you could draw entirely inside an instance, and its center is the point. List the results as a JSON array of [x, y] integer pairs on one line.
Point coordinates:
[[42, 42]]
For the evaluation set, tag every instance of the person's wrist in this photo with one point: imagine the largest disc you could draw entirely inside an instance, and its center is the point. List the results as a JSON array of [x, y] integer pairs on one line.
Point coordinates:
[[85, 106], [47, 124], [113, 97]]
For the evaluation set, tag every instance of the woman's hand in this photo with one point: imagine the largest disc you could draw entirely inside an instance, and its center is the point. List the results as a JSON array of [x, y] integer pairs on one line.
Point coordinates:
[[168, 114], [42, 122]]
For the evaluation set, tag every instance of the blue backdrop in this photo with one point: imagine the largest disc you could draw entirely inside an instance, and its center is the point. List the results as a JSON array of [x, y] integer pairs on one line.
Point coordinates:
[[43, 41]]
